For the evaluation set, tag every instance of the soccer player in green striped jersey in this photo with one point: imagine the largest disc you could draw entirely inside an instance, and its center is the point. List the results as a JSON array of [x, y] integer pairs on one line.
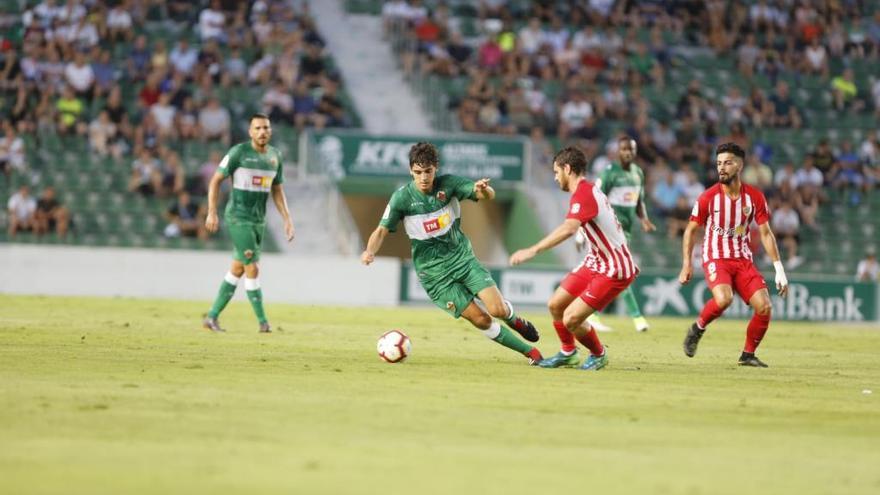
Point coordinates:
[[624, 184], [444, 260], [256, 171]]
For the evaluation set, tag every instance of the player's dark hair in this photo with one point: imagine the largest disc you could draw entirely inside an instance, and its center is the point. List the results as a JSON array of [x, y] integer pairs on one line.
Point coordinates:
[[625, 137], [257, 115], [573, 157], [731, 148], [424, 154]]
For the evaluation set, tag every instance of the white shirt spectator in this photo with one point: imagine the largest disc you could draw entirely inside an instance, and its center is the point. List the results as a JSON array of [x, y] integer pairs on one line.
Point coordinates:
[[587, 38], [875, 92], [84, 34], [556, 39], [808, 177], [211, 24], [576, 113], [530, 37], [413, 13], [118, 18], [71, 13], [183, 58], [12, 151], [22, 207], [276, 97], [214, 120], [80, 77], [603, 7], [394, 10], [868, 270], [46, 13], [784, 175], [164, 115], [785, 220], [816, 56]]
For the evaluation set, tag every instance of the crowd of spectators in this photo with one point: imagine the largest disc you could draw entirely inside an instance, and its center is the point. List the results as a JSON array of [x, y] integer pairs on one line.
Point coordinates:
[[137, 79], [561, 68]]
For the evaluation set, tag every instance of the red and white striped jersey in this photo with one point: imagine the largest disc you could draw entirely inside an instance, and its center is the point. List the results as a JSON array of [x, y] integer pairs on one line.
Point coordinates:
[[727, 221], [608, 253]]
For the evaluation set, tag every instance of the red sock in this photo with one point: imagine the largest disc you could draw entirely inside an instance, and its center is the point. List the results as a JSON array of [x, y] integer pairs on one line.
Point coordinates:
[[755, 332], [591, 341], [565, 336], [710, 311]]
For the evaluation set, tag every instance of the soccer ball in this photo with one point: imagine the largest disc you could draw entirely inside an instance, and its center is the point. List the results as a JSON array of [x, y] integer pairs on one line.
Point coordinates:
[[393, 346]]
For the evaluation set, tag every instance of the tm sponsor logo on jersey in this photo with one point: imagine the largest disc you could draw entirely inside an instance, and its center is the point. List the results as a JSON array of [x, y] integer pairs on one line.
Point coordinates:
[[261, 181], [436, 224]]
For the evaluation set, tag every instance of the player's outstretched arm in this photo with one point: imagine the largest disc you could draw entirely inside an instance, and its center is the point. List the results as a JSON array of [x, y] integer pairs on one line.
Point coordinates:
[[565, 230], [768, 240], [482, 189], [374, 244], [280, 200], [212, 221], [642, 213], [687, 249]]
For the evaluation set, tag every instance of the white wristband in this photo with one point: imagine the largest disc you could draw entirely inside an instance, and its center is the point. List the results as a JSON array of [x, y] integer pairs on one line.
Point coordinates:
[[777, 265]]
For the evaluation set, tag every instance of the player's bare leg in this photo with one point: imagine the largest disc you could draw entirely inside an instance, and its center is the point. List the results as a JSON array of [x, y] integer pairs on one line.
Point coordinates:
[[760, 302], [567, 356], [575, 320], [497, 333], [227, 289], [722, 297], [500, 308]]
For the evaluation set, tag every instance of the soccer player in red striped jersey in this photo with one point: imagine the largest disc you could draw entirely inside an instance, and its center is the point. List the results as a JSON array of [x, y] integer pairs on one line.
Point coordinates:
[[606, 271], [726, 210]]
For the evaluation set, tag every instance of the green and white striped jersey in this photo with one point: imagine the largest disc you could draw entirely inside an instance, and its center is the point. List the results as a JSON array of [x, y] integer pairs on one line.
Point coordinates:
[[253, 175], [623, 188], [433, 223]]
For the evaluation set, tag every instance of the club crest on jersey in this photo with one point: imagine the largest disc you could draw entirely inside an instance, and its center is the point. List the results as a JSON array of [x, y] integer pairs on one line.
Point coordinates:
[[274, 162], [441, 195], [747, 210], [450, 306], [248, 253]]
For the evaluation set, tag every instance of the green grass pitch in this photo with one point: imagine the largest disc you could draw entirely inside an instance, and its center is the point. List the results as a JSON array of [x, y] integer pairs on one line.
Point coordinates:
[[131, 396]]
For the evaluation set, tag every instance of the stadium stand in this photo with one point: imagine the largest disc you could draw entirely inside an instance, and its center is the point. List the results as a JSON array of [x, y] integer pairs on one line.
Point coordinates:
[[778, 77], [153, 69]]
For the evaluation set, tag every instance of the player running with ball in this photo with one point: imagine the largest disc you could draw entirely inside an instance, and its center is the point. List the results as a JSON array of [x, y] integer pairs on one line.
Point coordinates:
[[607, 270], [430, 209], [726, 210]]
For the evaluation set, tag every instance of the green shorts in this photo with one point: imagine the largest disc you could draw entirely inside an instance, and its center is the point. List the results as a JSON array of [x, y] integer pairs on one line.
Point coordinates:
[[247, 241], [455, 291]]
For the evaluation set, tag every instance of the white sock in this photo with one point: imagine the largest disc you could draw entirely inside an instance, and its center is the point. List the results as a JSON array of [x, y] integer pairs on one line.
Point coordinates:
[[231, 279], [251, 283], [493, 331]]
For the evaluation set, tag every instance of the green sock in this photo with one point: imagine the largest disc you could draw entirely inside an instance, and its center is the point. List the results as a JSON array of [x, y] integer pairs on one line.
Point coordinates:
[[255, 296], [227, 289], [632, 306], [506, 338]]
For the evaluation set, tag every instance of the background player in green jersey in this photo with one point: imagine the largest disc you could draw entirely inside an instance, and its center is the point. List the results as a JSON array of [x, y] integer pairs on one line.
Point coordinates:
[[624, 184], [256, 171], [450, 273]]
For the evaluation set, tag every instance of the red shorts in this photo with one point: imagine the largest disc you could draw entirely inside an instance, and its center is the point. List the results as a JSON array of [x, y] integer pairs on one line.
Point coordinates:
[[593, 288], [740, 274]]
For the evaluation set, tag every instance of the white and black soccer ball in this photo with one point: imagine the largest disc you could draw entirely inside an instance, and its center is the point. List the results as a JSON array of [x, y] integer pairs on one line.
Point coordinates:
[[393, 346]]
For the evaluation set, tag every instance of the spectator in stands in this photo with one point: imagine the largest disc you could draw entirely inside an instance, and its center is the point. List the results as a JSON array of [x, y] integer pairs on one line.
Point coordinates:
[[678, 218], [102, 134], [844, 92], [277, 103], [185, 217], [12, 152], [80, 76], [868, 269], [665, 194], [305, 108], [849, 173], [119, 23], [807, 202], [234, 69], [105, 73], [165, 115], [757, 173], [188, 121], [312, 66], [825, 160], [330, 105], [139, 59], [747, 56], [212, 22], [70, 112], [784, 179], [21, 208], [145, 176], [815, 59], [808, 176], [785, 111], [875, 94], [786, 225], [574, 114], [50, 215], [215, 122], [183, 58], [170, 172]]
